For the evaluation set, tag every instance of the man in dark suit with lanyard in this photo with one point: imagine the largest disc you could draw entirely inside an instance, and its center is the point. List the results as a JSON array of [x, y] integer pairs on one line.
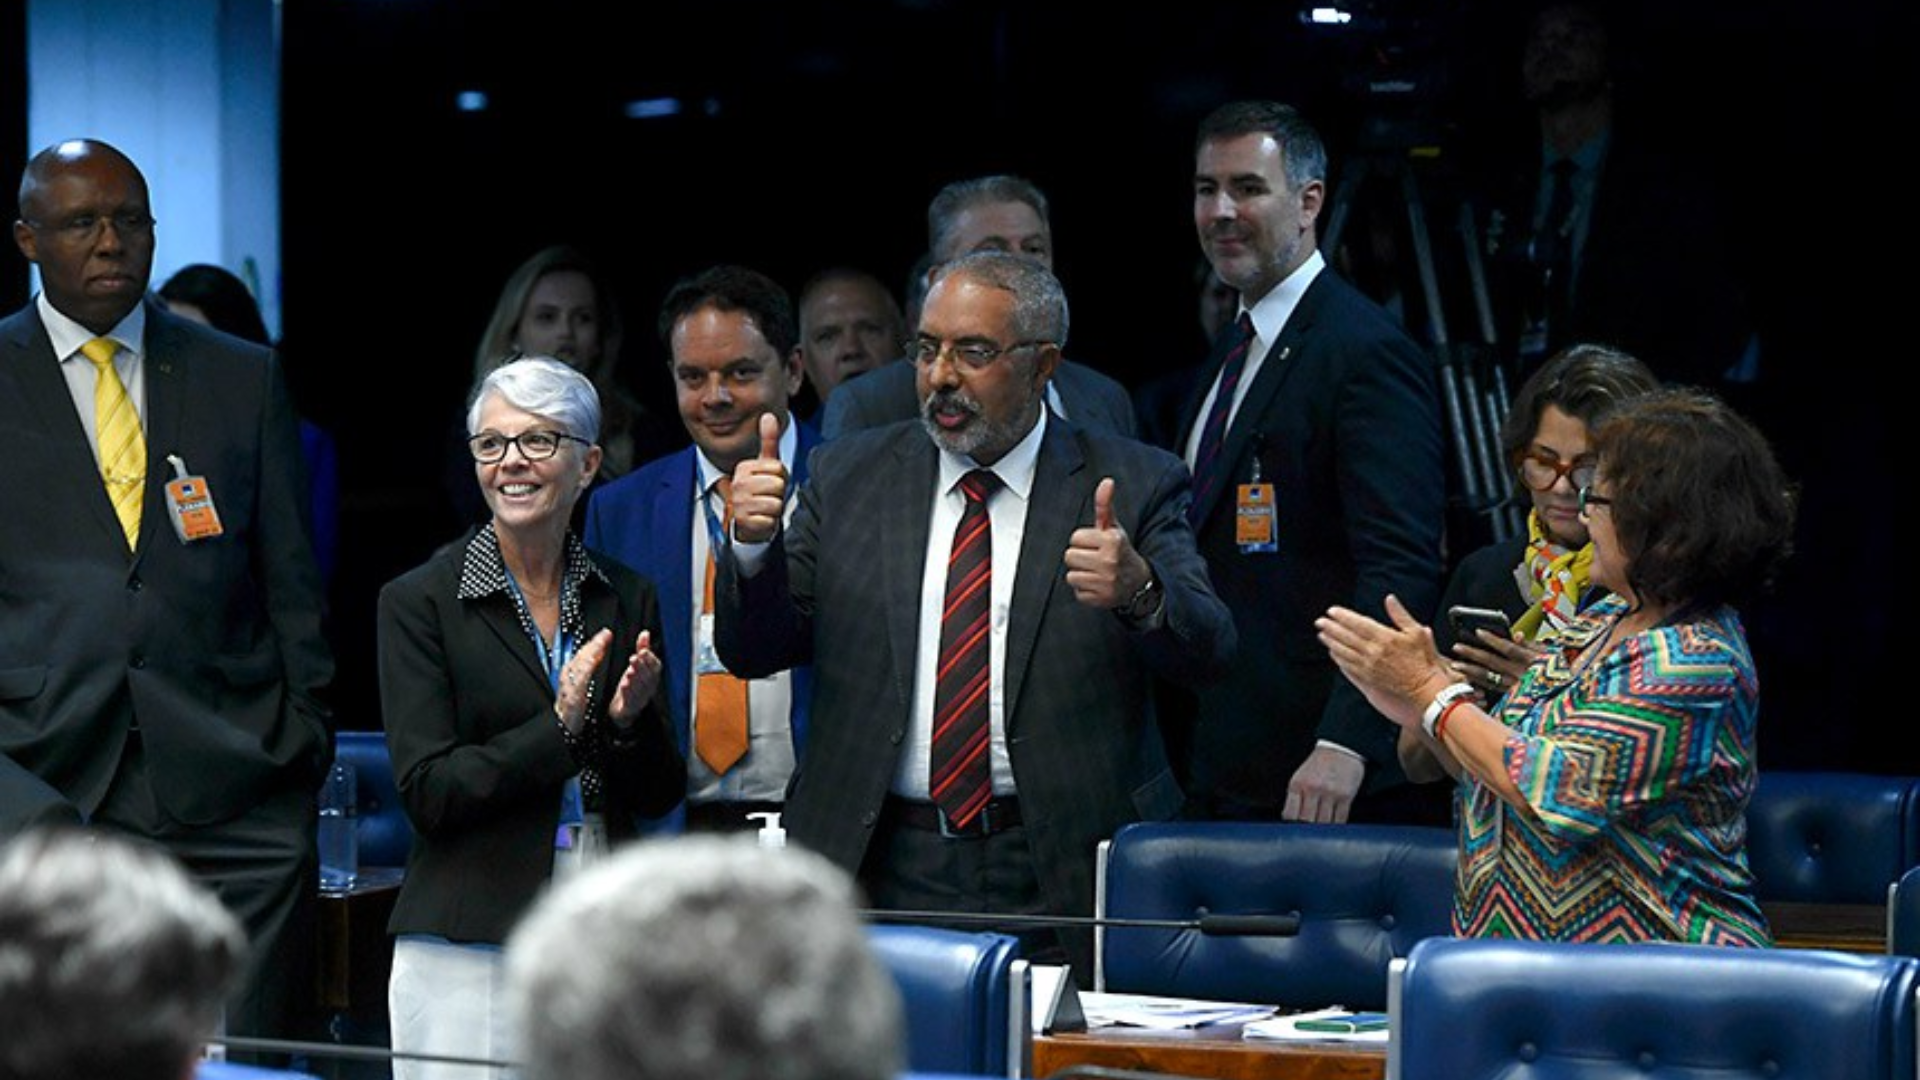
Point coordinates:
[[982, 593], [1315, 443], [730, 332], [161, 657]]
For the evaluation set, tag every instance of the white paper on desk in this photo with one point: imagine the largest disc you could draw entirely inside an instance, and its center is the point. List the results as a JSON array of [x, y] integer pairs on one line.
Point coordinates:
[[1282, 1027], [1165, 1013]]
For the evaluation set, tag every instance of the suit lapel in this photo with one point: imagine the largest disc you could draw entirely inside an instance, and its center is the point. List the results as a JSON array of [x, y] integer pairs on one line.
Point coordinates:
[[902, 539], [1054, 507], [166, 375], [673, 532], [1278, 366], [36, 380]]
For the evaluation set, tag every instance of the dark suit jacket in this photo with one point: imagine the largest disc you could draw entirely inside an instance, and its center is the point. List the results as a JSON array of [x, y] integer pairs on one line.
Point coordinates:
[[213, 647], [1655, 277], [645, 521], [477, 750], [842, 588], [1344, 417], [887, 394], [1483, 579]]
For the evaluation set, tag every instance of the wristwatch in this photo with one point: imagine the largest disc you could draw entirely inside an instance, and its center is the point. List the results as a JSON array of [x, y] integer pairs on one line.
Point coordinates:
[[1448, 695], [1144, 601]]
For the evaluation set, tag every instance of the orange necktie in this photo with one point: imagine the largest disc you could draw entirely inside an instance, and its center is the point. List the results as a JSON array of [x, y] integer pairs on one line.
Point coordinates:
[[720, 709]]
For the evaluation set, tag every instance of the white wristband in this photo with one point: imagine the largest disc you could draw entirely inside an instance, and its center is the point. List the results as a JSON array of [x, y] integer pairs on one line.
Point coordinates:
[[1447, 696]]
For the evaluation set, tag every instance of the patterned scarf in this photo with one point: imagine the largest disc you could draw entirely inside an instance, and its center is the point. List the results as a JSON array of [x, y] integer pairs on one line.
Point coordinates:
[[1556, 579]]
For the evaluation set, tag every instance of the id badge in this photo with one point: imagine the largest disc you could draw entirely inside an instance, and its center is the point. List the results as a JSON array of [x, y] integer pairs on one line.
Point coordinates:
[[708, 660], [1255, 521], [190, 504]]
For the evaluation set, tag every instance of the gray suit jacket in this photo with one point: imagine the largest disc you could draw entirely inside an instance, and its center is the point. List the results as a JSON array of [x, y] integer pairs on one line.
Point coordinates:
[[886, 395], [843, 590], [214, 648]]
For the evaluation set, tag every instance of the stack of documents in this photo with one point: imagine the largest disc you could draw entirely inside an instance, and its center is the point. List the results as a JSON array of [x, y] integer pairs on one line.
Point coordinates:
[[1316, 1029], [1165, 1013]]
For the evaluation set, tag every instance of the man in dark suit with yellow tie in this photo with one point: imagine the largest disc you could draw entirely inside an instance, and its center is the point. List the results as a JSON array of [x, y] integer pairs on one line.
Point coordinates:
[[976, 771], [161, 654]]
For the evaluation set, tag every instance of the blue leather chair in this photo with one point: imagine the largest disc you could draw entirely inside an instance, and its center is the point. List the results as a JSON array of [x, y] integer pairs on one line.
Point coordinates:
[[966, 998], [1477, 1009], [1364, 894], [1831, 837], [382, 829], [1903, 914]]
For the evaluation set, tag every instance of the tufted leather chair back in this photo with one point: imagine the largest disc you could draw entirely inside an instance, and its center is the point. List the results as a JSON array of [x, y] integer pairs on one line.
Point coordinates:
[[1476, 1009], [1364, 894]]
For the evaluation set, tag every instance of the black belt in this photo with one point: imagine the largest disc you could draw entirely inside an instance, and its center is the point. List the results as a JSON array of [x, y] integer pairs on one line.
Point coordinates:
[[998, 815], [727, 816]]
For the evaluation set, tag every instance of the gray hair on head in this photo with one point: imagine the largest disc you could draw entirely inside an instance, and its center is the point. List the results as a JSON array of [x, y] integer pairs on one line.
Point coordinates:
[[703, 956], [113, 961], [1039, 303], [545, 387]]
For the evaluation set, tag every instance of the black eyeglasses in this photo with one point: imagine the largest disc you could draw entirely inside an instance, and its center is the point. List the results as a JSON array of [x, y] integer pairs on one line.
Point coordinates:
[[975, 355], [87, 227], [1541, 471], [490, 446], [1588, 500]]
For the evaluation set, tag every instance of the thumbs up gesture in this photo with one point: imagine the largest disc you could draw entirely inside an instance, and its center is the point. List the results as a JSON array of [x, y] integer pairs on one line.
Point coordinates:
[[1103, 569], [760, 488]]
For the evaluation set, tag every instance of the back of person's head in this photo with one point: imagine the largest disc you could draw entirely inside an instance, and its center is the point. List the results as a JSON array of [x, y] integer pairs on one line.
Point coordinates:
[[113, 962], [1700, 506], [499, 343], [943, 213], [218, 298], [1301, 149], [702, 958], [1585, 381], [545, 387], [733, 288]]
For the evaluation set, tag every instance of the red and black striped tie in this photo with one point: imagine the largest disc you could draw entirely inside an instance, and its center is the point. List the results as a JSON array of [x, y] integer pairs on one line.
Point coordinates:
[[1205, 475], [958, 776]]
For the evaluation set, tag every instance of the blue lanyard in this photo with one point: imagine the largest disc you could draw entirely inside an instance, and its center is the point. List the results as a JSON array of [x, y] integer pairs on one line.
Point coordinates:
[[572, 808]]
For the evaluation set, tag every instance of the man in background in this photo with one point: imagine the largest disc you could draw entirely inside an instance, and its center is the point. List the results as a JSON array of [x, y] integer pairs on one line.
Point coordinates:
[[1315, 442], [849, 325], [730, 333], [988, 213]]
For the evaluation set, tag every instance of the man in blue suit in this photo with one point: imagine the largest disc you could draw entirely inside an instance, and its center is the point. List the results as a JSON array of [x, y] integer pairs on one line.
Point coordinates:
[[731, 332]]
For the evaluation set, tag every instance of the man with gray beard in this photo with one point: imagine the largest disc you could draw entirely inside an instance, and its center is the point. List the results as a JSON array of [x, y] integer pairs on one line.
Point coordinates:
[[983, 594]]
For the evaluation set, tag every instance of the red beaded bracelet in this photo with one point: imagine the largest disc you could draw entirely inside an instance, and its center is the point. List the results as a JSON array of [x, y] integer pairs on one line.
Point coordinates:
[[1440, 723]]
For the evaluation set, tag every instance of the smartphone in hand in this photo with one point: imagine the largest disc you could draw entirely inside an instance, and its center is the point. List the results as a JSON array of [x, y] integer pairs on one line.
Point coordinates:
[[1465, 620]]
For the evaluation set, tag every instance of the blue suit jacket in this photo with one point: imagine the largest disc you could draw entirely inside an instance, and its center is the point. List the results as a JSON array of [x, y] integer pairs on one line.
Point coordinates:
[[644, 520]]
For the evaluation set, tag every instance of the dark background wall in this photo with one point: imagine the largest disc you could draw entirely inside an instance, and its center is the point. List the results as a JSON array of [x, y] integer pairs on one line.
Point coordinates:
[[817, 132]]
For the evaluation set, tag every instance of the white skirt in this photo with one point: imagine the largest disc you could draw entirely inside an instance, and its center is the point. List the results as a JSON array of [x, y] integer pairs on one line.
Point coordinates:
[[449, 1000]]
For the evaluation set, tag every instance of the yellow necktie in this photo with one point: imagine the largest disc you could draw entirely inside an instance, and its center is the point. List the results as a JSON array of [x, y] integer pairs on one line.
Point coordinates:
[[123, 450], [720, 710]]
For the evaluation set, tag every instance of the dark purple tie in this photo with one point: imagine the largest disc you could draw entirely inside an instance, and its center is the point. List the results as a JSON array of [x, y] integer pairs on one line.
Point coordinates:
[[1205, 475], [958, 777]]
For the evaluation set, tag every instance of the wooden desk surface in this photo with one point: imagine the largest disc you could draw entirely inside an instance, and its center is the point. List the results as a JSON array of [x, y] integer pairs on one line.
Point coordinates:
[[1860, 928], [1216, 1052]]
